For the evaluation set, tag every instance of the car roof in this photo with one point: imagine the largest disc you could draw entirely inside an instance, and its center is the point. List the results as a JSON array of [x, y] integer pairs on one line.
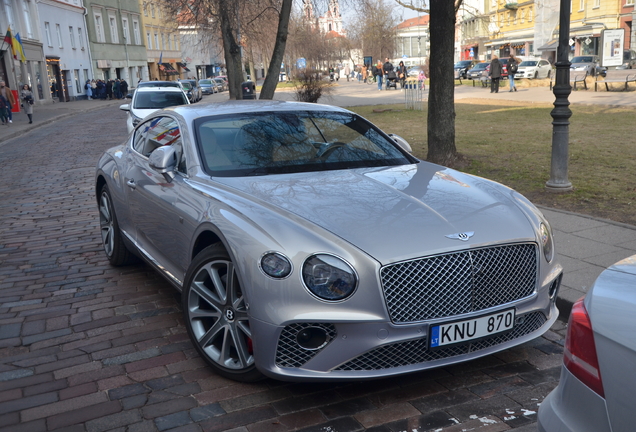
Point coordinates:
[[157, 89], [143, 84]]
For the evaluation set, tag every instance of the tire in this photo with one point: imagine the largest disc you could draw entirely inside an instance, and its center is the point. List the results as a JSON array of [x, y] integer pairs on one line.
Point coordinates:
[[215, 314], [536, 75], [112, 241], [549, 74]]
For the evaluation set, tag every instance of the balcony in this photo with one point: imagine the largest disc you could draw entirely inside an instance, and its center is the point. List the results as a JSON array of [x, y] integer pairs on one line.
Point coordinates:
[[511, 5]]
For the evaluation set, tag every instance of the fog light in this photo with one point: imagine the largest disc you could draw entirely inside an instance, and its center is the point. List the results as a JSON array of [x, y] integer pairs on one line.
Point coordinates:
[[312, 338], [554, 287]]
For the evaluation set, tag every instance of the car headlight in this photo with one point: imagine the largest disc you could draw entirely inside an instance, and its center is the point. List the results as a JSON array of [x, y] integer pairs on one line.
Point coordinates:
[[329, 277], [547, 243], [276, 265]]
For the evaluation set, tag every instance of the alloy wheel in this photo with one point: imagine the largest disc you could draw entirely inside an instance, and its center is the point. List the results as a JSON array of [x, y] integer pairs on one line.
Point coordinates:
[[106, 224]]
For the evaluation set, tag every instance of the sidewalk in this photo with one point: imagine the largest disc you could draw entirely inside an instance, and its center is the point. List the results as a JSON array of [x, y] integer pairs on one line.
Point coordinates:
[[585, 245], [46, 114]]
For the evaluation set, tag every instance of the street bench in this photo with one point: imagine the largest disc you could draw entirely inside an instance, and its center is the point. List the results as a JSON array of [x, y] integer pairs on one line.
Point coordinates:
[[616, 76], [574, 78]]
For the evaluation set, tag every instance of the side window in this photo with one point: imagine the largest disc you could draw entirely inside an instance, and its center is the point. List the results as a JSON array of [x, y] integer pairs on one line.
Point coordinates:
[[139, 139]]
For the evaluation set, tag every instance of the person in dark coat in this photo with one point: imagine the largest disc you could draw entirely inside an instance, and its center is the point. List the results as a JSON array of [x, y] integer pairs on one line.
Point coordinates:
[[109, 89], [123, 87], [495, 74]]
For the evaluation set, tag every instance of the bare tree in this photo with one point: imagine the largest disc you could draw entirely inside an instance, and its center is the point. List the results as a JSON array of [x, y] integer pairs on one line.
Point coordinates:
[[378, 23], [441, 98]]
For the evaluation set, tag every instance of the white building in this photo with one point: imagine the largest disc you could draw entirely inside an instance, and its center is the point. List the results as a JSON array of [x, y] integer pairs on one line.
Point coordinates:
[[66, 49], [413, 41]]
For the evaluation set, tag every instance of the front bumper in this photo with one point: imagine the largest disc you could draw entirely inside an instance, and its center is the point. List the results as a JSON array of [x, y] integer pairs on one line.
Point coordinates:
[[365, 350]]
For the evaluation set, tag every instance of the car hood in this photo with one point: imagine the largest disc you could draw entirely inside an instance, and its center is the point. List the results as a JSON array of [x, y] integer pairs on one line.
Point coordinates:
[[142, 113], [396, 213], [580, 65]]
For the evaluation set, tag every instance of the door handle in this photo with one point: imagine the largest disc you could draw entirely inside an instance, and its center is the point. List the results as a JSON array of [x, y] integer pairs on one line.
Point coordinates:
[[131, 183]]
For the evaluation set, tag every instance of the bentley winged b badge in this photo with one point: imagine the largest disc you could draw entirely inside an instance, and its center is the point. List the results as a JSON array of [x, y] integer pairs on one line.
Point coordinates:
[[464, 236]]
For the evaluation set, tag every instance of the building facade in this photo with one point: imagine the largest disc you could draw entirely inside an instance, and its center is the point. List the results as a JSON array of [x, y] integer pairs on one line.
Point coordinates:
[[412, 41], [22, 17], [116, 44], [66, 50]]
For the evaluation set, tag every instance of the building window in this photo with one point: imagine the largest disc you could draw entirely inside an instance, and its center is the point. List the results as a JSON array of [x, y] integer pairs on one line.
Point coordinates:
[[114, 35], [71, 33], [152, 10], [145, 9], [8, 9], [163, 41], [58, 30], [597, 3], [176, 44], [124, 26], [136, 32], [86, 78], [81, 38], [169, 42], [530, 14], [148, 40], [47, 32], [581, 5], [99, 27], [629, 2], [78, 87], [156, 41], [26, 11]]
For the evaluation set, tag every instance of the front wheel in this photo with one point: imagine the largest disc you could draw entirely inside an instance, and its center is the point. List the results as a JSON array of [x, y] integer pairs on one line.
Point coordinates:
[[216, 315], [112, 240]]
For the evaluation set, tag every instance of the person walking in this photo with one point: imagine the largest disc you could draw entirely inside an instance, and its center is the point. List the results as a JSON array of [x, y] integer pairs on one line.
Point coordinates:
[[513, 66], [88, 90], [401, 74], [347, 71], [365, 73], [123, 87], [4, 114], [109, 89], [378, 73], [387, 68], [116, 92], [495, 74], [6, 92], [27, 101]]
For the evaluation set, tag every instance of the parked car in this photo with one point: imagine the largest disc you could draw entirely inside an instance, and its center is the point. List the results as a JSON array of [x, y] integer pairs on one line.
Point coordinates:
[[158, 84], [590, 64], [477, 71], [629, 60], [148, 99], [414, 71], [187, 88], [208, 86], [462, 67], [504, 68], [533, 69], [595, 392], [195, 89], [310, 245], [221, 84]]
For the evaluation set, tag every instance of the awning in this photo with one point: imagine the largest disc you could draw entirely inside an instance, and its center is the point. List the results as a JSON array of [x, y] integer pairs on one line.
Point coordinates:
[[550, 46], [168, 69], [183, 66]]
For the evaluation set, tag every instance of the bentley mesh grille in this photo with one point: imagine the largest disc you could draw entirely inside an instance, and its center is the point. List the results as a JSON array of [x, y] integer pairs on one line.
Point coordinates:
[[416, 351], [458, 283], [289, 353]]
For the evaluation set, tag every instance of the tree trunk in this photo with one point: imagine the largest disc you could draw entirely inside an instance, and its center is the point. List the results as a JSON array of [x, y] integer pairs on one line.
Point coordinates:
[[271, 80], [232, 51], [441, 97]]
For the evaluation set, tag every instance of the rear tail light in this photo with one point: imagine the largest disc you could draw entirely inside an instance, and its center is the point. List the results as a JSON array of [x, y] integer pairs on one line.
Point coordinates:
[[579, 355]]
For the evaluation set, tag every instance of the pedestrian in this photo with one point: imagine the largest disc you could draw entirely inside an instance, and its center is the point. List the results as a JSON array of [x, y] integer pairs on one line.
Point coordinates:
[[347, 71], [401, 74], [364, 73], [513, 66], [94, 89], [27, 101], [4, 114], [6, 92], [116, 91], [109, 89], [421, 79], [88, 89], [387, 68], [495, 74], [378, 73], [123, 87]]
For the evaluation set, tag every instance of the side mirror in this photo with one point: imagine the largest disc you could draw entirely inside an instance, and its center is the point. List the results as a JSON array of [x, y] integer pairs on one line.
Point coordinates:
[[402, 143], [164, 161], [124, 107]]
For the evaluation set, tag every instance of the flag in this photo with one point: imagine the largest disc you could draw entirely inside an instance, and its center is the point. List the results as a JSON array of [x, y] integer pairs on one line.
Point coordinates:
[[9, 39], [19, 48]]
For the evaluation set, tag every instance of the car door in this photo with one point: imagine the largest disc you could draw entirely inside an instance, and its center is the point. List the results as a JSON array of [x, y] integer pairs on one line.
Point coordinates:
[[154, 200], [544, 68]]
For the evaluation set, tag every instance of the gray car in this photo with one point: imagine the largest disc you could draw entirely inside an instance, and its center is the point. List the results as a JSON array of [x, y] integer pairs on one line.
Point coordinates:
[[596, 390], [590, 64], [310, 245]]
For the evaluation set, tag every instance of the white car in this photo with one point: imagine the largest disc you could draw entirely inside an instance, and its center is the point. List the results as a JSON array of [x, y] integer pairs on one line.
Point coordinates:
[[147, 100], [533, 69]]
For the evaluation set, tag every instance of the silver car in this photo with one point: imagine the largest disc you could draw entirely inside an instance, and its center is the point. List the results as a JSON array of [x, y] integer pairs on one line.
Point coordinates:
[[310, 245], [590, 64], [596, 390]]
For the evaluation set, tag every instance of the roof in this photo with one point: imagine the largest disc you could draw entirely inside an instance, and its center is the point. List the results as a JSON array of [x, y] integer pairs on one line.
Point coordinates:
[[414, 22]]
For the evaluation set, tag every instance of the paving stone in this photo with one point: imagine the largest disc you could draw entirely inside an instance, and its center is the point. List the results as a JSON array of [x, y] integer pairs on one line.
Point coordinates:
[[302, 403], [127, 391], [387, 414], [46, 335], [347, 408], [82, 415], [169, 407], [15, 374], [52, 409], [173, 420], [10, 330], [432, 421], [344, 424], [237, 419], [128, 358], [205, 412], [500, 386], [108, 422], [28, 402]]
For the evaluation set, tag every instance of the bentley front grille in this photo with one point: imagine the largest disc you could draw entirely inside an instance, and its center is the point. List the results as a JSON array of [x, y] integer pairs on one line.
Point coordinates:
[[416, 351], [458, 283], [289, 353]]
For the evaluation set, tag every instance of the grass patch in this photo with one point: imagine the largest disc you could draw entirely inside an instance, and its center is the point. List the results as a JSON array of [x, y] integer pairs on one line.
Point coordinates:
[[511, 143]]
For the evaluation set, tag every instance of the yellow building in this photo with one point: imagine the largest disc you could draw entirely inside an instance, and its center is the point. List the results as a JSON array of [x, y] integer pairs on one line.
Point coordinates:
[[162, 43], [511, 28]]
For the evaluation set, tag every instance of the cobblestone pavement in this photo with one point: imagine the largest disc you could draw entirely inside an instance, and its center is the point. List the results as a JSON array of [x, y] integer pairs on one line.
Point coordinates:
[[88, 347]]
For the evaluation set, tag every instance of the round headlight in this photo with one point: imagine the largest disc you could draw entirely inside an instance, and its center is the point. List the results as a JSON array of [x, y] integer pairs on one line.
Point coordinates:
[[276, 265], [329, 277], [546, 242]]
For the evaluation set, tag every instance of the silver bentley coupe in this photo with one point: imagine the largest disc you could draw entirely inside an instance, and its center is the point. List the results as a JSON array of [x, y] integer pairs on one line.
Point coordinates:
[[310, 245]]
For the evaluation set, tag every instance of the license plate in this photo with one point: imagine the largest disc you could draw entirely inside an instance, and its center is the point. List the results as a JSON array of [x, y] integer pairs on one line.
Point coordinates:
[[462, 331]]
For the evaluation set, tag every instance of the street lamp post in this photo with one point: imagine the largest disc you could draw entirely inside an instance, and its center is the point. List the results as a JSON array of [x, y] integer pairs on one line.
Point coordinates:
[[561, 113]]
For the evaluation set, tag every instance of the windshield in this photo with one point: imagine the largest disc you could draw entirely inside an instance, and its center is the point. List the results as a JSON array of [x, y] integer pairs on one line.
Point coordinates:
[[582, 59], [481, 66], [219, 80], [205, 82], [186, 85], [528, 63], [158, 99], [285, 142]]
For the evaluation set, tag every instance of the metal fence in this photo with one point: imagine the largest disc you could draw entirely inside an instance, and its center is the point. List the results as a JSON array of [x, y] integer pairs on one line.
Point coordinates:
[[414, 94]]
